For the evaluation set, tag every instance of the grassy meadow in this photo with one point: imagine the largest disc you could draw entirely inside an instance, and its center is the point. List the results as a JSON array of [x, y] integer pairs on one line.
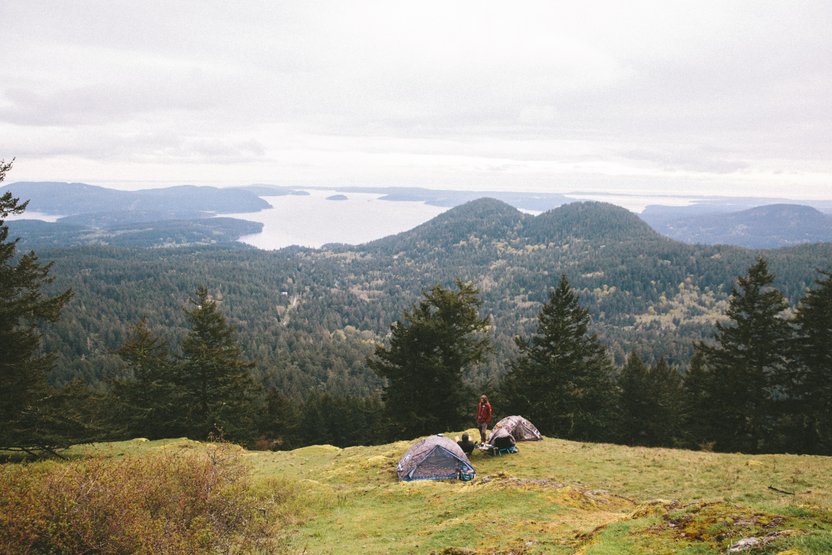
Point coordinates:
[[553, 496]]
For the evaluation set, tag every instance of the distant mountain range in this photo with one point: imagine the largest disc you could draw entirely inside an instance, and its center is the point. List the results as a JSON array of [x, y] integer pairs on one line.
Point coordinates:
[[308, 316], [174, 216], [79, 198], [488, 220], [184, 215], [770, 226]]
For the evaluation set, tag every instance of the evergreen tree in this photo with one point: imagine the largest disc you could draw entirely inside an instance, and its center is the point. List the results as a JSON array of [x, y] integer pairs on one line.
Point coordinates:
[[424, 363], [698, 409], [28, 413], [216, 392], [145, 401], [748, 363], [281, 424], [563, 379], [651, 403], [637, 401], [666, 427], [812, 352]]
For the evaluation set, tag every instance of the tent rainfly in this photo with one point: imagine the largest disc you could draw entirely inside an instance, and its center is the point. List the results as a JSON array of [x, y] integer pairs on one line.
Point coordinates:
[[435, 458], [520, 428]]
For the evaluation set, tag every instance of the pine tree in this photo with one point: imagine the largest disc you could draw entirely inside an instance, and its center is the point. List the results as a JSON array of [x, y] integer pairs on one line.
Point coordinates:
[[428, 352], [666, 426], [281, 423], [27, 411], [812, 352], [563, 379], [698, 409], [748, 363], [145, 401], [651, 403], [637, 401], [217, 393]]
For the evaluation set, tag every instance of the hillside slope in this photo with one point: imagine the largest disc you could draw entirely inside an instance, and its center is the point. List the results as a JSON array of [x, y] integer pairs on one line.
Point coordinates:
[[308, 317], [485, 219], [769, 226], [173, 216], [80, 198], [553, 496]]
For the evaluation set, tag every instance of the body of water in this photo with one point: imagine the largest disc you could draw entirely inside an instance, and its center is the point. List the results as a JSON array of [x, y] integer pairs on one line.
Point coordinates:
[[34, 215], [314, 220]]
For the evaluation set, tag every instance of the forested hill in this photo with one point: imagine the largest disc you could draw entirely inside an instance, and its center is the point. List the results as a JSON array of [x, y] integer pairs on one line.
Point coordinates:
[[80, 198], [310, 317], [768, 226], [588, 221], [485, 219], [174, 216], [166, 217], [490, 221]]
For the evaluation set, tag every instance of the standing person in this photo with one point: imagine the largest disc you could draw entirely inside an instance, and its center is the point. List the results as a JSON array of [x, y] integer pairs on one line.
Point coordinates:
[[483, 416]]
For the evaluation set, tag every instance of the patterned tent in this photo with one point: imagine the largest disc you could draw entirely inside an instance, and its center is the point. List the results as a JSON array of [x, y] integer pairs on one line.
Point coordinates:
[[435, 458], [520, 428]]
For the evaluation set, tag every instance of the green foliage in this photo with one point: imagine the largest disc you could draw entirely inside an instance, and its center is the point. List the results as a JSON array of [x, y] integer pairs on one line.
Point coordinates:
[[748, 365], [812, 352], [310, 318], [119, 231], [145, 401], [636, 403], [650, 406], [424, 364], [698, 410], [667, 423], [207, 391], [214, 385], [340, 421], [563, 379], [27, 411], [321, 419]]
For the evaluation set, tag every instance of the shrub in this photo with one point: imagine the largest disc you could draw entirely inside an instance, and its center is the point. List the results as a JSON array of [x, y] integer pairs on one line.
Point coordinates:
[[184, 502]]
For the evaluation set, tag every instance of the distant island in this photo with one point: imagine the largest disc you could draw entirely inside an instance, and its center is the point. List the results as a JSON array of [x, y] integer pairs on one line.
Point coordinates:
[[83, 214]]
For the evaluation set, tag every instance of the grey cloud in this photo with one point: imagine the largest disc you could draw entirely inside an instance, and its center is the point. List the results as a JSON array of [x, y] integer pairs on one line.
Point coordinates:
[[701, 87], [698, 159], [106, 102]]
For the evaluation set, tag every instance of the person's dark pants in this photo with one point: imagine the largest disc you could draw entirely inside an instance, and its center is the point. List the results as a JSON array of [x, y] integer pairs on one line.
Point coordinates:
[[483, 426]]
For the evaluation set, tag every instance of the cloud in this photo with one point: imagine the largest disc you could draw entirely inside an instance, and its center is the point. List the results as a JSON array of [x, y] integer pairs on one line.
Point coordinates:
[[688, 158], [425, 93]]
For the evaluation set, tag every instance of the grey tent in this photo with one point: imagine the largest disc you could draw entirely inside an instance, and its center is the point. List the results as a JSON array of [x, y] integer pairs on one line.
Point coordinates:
[[435, 458], [520, 428], [501, 441]]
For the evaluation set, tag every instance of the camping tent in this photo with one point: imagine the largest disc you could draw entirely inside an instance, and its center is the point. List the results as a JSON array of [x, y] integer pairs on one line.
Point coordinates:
[[435, 458], [520, 428], [501, 442]]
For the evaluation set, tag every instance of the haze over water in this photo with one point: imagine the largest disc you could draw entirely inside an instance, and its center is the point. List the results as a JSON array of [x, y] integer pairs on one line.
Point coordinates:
[[313, 220]]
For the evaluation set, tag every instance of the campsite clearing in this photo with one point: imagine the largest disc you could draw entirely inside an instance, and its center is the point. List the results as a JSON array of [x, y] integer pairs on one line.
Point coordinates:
[[554, 496]]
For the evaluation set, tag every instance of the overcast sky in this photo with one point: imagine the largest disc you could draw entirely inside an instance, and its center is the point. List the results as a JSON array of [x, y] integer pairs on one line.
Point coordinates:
[[677, 97]]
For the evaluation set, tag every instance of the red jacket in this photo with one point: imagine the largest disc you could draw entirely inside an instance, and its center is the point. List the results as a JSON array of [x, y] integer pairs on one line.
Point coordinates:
[[483, 413]]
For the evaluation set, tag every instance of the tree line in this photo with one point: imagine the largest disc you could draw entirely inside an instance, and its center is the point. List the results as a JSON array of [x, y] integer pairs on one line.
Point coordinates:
[[760, 384], [308, 318]]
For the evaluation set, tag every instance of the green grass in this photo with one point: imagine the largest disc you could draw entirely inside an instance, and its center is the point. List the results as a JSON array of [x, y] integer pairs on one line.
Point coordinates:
[[553, 496]]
